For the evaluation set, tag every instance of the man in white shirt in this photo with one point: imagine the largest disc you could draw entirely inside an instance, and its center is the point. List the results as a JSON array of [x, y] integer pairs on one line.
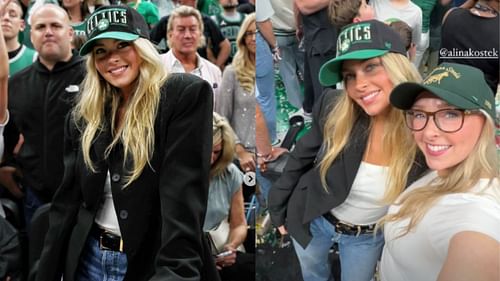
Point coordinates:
[[185, 35]]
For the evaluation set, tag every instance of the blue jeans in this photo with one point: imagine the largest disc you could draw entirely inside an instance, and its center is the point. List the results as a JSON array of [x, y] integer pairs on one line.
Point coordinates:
[[264, 78], [31, 204], [265, 185], [292, 60], [100, 265], [358, 255]]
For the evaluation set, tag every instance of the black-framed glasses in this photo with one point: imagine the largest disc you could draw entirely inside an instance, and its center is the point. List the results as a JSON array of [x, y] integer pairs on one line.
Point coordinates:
[[448, 120]]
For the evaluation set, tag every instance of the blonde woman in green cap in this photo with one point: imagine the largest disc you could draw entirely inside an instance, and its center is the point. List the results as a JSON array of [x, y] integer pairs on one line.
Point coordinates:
[[353, 162], [446, 226], [137, 147]]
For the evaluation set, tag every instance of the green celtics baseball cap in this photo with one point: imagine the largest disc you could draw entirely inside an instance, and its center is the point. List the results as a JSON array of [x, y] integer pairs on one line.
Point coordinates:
[[459, 85], [359, 41], [114, 22]]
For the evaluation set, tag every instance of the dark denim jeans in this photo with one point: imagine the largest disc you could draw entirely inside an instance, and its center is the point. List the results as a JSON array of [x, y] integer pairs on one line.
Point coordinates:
[[31, 204]]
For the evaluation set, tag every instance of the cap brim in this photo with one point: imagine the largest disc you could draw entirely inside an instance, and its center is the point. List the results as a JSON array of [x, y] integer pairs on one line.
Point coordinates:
[[124, 36], [330, 72], [403, 96]]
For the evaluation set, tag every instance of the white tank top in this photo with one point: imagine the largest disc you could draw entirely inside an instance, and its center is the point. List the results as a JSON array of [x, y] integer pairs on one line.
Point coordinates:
[[363, 204]]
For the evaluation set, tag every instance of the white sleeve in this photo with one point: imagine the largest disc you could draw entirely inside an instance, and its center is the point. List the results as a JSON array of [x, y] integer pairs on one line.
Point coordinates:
[[2, 127], [263, 11], [464, 213], [417, 31]]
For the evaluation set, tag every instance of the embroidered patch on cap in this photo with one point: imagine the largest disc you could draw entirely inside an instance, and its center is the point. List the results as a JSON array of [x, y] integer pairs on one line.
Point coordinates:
[[462, 86], [114, 22], [360, 41], [360, 33], [439, 73], [103, 24]]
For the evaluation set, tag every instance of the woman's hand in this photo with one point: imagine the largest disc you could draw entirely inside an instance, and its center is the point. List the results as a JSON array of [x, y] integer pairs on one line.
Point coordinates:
[[3, 7], [7, 179], [275, 153], [226, 258], [247, 160], [282, 230]]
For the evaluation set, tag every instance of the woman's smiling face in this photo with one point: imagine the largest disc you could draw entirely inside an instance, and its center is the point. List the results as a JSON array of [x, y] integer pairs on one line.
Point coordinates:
[[445, 150], [368, 84], [118, 63]]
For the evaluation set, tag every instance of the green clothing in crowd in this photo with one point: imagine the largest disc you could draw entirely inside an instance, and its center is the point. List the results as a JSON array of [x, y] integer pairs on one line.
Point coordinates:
[[79, 28], [209, 7], [148, 10], [230, 26], [25, 57], [427, 6]]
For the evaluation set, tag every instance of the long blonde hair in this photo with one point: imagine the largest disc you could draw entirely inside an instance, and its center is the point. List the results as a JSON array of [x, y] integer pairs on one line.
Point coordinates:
[[137, 130], [243, 62], [222, 133], [340, 120], [482, 162]]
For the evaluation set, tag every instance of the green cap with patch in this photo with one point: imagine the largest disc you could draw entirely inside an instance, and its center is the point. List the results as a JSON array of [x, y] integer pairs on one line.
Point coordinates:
[[359, 41], [459, 85], [114, 22]]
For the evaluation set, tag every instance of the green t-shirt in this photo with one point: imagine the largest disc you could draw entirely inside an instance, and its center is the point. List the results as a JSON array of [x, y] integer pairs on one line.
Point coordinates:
[[25, 57], [79, 28], [230, 28], [427, 6], [209, 7], [148, 10]]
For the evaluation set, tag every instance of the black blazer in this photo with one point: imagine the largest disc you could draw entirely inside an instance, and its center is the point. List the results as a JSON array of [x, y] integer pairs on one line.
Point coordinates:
[[160, 214], [298, 197]]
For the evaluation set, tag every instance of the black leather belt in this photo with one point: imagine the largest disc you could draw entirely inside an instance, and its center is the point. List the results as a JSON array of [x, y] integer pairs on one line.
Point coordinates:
[[343, 227], [107, 240]]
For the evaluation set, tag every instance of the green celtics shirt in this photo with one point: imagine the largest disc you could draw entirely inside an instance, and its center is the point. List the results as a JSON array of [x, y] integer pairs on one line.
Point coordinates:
[[24, 57], [79, 28], [209, 7], [148, 10], [230, 26]]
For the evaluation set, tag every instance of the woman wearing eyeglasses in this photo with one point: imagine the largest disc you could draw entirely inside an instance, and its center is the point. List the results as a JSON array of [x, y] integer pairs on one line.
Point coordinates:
[[446, 226], [353, 162]]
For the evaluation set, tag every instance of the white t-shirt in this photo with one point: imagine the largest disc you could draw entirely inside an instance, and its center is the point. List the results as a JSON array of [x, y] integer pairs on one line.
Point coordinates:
[[263, 11], [420, 254], [411, 14]]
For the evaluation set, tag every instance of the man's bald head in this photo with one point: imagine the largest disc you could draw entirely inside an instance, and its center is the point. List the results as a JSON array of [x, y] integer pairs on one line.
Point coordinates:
[[40, 10], [51, 34]]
